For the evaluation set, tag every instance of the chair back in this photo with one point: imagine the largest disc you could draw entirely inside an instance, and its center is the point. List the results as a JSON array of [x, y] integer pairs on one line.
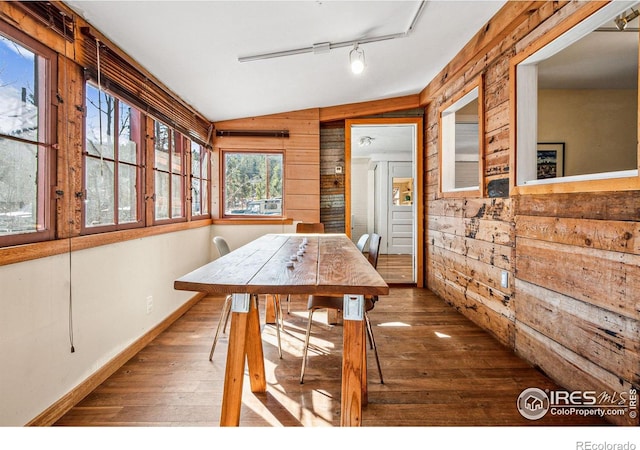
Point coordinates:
[[221, 245], [309, 227], [362, 242], [374, 250]]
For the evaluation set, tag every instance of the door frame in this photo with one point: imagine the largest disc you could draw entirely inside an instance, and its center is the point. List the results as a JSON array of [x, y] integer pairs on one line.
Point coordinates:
[[417, 159]]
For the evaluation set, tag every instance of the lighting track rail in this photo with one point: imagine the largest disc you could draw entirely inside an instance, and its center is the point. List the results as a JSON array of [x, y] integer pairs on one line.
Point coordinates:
[[325, 47]]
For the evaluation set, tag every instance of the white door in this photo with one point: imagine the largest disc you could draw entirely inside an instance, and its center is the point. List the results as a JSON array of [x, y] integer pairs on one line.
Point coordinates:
[[400, 208]]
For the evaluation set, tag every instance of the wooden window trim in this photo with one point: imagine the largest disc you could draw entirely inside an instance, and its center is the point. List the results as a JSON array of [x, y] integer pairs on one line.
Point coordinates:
[[178, 141], [203, 177], [246, 218], [601, 184], [47, 148], [140, 124], [478, 192]]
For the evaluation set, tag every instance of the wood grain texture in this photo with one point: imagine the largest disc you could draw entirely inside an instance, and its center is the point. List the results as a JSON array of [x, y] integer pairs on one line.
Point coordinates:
[[466, 378], [570, 250], [331, 265], [301, 157], [353, 375], [320, 264]]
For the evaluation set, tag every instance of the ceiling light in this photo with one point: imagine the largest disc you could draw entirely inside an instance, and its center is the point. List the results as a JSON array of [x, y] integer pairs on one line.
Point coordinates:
[[622, 21], [356, 59], [365, 141], [325, 46]]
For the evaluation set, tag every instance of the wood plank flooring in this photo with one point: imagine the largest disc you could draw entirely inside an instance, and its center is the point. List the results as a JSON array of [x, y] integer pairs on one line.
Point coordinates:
[[440, 370], [396, 269]]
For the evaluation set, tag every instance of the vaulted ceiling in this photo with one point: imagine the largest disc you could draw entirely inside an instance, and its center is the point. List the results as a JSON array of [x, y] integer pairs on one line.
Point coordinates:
[[194, 47]]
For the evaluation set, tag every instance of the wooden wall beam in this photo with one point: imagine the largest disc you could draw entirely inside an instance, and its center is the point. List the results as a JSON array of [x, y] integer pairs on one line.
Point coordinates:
[[354, 110]]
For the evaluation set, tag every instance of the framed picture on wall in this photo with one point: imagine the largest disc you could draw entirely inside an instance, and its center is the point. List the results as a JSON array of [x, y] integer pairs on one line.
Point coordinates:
[[550, 160]]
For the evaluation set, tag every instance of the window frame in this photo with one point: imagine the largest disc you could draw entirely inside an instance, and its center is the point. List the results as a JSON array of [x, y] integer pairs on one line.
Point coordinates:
[[549, 43], [472, 191], [46, 142], [202, 177], [140, 125], [222, 178], [177, 142]]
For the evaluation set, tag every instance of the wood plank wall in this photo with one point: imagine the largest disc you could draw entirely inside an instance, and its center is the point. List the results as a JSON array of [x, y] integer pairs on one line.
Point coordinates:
[[301, 157], [572, 307], [332, 189]]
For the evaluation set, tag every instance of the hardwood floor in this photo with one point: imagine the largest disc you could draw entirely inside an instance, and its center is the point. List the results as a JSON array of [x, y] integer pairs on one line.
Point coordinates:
[[440, 370], [396, 269]]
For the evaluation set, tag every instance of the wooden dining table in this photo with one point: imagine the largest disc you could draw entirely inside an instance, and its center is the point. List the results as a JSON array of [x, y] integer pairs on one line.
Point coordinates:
[[277, 264]]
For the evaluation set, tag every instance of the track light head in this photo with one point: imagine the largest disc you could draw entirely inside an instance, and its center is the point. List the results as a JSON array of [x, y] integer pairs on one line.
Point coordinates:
[[356, 59]]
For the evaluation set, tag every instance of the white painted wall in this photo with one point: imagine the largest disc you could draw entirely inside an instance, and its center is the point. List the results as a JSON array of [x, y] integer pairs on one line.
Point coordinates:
[[360, 198], [109, 287], [239, 235], [598, 128]]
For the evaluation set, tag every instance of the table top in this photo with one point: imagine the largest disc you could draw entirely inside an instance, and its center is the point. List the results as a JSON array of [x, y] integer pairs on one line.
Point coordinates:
[[330, 265]]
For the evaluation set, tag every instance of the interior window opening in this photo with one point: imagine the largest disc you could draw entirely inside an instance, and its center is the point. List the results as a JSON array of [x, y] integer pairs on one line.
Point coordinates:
[[577, 102]]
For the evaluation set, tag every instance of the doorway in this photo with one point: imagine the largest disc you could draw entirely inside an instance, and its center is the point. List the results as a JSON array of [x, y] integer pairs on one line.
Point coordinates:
[[383, 158]]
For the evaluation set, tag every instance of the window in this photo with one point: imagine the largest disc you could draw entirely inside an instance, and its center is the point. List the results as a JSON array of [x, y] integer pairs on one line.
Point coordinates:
[[461, 137], [577, 104], [112, 167], [169, 171], [252, 184], [26, 136], [200, 180]]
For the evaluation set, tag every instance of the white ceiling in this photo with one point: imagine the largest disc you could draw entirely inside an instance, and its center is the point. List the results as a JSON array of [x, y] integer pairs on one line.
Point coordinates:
[[193, 48]]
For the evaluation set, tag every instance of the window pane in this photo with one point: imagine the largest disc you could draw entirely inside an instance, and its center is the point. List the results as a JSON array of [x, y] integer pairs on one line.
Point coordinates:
[[176, 196], [176, 155], [196, 152], [127, 195], [127, 147], [100, 124], [402, 194], [205, 197], [99, 203], [18, 187], [162, 195], [18, 90], [196, 197], [162, 136], [460, 143], [253, 184]]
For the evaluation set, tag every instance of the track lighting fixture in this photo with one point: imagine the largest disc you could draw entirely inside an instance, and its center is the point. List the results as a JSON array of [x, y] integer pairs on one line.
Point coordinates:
[[356, 59], [623, 20]]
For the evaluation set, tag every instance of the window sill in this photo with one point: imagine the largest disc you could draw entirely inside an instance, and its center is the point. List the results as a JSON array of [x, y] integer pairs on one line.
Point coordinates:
[[613, 181], [461, 192], [253, 221], [28, 252]]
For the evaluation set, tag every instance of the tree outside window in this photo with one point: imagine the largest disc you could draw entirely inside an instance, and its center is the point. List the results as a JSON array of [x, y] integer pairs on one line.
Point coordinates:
[[169, 172], [24, 150], [200, 180], [112, 161], [253, 184]]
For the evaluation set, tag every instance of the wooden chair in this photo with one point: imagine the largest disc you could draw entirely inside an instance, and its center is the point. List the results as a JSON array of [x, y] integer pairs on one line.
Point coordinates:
[[309, 227], [328, 302], [223, 249]]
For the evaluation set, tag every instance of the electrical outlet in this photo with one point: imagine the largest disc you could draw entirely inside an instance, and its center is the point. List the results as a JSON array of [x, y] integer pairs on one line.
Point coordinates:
[[149, 304], [504, 279]]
